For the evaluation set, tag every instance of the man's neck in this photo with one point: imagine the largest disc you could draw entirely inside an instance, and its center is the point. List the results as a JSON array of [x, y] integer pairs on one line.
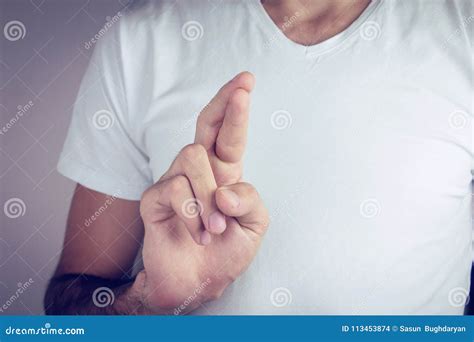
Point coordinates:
[[316, 20]]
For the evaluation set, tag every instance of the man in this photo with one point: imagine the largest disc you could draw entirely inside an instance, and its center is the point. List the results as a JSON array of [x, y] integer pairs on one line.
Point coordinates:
[[359, 143]]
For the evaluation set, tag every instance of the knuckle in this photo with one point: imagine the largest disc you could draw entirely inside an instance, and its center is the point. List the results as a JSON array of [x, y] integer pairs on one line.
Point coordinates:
[[144, 196], [178, 183], [193, 151], [147, 200], [249, 190], [148, 195]]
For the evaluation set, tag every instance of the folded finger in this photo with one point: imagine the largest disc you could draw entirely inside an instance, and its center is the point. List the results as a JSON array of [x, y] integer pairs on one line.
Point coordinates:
[[193, 163], [176, 193]]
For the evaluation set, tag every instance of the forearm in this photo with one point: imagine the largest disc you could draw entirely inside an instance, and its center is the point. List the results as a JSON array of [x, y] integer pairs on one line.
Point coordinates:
[[80, 294]]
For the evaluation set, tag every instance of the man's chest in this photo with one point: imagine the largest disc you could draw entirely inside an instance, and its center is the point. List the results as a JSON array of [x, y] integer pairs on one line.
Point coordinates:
[[351, 134], [372, 166]]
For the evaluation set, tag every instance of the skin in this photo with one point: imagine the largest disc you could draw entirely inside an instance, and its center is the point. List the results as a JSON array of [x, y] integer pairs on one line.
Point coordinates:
[[183, 251], [217, 245], [317, 20]]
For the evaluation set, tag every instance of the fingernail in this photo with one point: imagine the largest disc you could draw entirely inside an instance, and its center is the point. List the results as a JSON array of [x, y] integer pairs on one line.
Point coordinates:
[[217, 223], [231, 197], [205, 238]]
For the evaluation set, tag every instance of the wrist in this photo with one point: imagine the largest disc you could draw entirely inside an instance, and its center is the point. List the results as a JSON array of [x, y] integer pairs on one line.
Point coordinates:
[[137, 300]]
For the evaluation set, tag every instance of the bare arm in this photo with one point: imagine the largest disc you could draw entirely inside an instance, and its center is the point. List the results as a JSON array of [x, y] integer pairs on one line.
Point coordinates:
[[97, 253]]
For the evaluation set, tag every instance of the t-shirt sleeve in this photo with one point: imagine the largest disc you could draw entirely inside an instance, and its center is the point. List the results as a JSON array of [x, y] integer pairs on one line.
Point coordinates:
[[100, 151]]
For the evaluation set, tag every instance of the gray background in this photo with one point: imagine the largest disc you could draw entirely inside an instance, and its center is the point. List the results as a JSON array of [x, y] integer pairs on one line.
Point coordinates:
[[44, 67]]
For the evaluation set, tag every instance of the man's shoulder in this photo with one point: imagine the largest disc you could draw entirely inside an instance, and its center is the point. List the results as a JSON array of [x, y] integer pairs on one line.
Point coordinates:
[[142, 12], [454, 12], [436, 23]]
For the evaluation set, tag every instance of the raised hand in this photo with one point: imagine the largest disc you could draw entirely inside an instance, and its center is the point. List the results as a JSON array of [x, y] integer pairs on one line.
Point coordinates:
[[203, 225]]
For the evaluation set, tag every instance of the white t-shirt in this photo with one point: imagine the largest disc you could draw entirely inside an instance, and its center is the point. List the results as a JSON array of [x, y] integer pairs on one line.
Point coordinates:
[[361, 146]]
